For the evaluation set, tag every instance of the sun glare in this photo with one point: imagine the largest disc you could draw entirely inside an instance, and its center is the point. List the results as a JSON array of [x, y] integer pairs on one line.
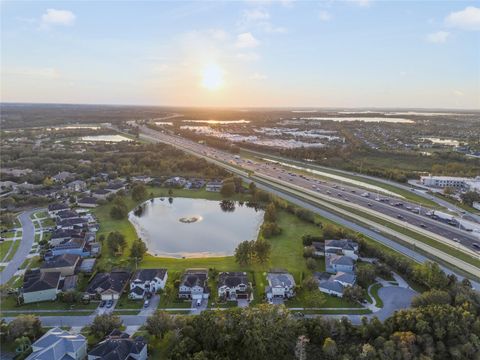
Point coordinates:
[[212, 77]]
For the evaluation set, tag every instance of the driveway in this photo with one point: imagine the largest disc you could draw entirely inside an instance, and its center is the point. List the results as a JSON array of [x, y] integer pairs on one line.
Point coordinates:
[[152, 306], [28, 237], [198, 309]]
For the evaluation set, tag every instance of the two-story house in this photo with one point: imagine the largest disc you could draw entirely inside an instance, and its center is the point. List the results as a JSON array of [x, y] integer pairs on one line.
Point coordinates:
[[336, 263], [281, 284], [146, 281], [344, 246], [233, 285], [194, 284]]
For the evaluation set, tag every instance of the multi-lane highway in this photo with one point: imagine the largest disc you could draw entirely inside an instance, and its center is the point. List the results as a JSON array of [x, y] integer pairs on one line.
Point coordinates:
[[410, 214]]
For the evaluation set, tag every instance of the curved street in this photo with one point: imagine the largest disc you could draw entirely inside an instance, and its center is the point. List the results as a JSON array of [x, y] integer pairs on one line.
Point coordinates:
[[28, 237]]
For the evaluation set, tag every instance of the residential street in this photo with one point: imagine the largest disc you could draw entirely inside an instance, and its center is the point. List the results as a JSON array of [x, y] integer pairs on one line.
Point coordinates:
[[28, 237]]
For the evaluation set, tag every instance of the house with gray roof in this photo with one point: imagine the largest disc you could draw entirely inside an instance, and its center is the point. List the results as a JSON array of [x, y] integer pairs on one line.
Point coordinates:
[[40, 286], [76, 185], [346, 279], [64, 264], [336, 263], [214, 185], [120, 346], [58, 344], [281, 284], [233, 286], [63, 176], [334, 284], [331, 287], [87, 202], [100, 194], [194, 284], [342, 247], [145, 281], [108, 286]]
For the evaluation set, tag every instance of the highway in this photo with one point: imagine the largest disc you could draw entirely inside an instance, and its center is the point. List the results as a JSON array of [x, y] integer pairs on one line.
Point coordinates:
[[409, 214]]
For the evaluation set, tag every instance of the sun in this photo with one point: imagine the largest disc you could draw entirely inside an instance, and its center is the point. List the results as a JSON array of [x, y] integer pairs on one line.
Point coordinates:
[[212, 77]]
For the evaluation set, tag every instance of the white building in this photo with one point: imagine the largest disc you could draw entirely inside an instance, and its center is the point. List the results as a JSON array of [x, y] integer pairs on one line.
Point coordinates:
[[194, 285], [280, 285], [147, 281], [461, 183]]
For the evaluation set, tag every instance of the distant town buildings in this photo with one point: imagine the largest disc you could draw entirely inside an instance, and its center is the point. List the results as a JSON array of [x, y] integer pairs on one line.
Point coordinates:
[[460, 183]]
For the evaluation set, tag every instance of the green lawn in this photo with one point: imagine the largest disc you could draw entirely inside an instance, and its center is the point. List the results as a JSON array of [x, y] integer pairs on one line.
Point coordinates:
[[10, 303], [374, 291], [16, 244], [4, 247], [125, 303]]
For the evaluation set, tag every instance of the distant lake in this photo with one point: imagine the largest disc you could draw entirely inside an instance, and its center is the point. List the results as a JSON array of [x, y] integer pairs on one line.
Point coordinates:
[[209, 228], [218, 122], [364, 119], [106, 138], [448, 142]]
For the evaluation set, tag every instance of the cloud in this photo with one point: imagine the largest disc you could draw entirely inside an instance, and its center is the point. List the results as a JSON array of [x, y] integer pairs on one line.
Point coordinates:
[[438, 37], [218, 34], [458, 93], [324, 15], [57, 17], [467, 19], [258, 76], [256, 14], [246, 40], [362, 3], [248, 56]]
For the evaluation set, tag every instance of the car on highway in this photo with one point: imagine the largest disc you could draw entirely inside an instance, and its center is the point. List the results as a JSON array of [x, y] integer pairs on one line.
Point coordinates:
[[422, 225], [476, 246], [400, 217]]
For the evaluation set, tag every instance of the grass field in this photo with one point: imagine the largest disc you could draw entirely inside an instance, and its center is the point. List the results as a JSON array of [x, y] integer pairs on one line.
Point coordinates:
[[4, 247], [374, 291], [16, 244]]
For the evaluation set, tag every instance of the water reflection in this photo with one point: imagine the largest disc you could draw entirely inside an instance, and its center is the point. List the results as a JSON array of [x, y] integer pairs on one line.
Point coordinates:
[[216, 231]]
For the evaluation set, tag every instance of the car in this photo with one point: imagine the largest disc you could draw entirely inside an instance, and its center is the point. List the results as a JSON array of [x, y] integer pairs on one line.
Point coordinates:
[[456, 240], [423, 226], [369, 204], [400, 217], [476, 246], [109, 304], [102, 304], [199, 302], [146, 303]]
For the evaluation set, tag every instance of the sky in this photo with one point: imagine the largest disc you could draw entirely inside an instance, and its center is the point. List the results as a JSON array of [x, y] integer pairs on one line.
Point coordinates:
[[355, 53]]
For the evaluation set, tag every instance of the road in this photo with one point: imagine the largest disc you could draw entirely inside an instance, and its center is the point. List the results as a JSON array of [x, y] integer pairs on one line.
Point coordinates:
[[222, 158], [28, 237], [410, 214], [422, 193]]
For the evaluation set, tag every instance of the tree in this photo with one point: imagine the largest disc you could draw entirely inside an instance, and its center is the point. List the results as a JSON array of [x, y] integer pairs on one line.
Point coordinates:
[[119, 209], [71, 296], [104, 324], [244, 252], [139, 192], [138, 249], [159, 324], [448, 191], [366, 275], [116, 241], [438, 297], [329, 348], [354, 293], [22, 343], [470, 197], [25, 325], [270, 214], [228, 189], [310, 283], [308, 251], [270, 229], [262, 250], [252, 187], [311, 264]]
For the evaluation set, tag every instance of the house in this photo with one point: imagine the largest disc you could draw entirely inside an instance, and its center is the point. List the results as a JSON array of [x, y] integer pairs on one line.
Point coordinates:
[[214, 185], [336, 263], [344, 246], [195, 184], [346, 279], [100, 194], [61, 235], [87, 201], [281, 284], [176, 181], [319, 248], [142, 179], [77, 186], [64, 264], [120, 346], [115, 187], [233, 286], [40, 286], [63, 176], [331, 287], [194, 284], [147, 281], [108, 286], [72, 223], [66, 214], [69, 283], [54, 208], [74, 246], [58, 344], [334, 284]]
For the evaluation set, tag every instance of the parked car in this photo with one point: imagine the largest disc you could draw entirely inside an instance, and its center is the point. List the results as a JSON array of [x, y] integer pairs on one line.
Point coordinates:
[[199, 302], [109, 304], [102, 303], [146, 303]]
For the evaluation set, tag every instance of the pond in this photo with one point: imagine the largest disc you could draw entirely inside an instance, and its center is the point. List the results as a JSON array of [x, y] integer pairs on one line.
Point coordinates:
[[183, 227]]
